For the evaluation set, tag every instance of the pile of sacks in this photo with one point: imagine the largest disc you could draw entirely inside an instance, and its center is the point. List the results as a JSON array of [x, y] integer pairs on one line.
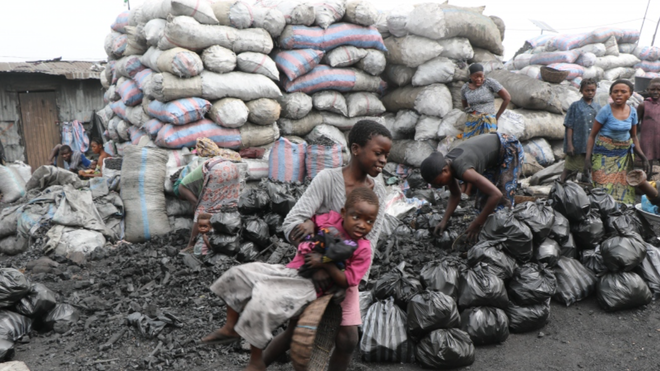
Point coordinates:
[[75, 216], [602, 54], [564, 249], [179, 71], [26, 306], [429, 48]]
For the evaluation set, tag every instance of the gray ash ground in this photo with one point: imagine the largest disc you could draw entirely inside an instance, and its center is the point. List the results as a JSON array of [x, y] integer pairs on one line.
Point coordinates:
[[152, 279]]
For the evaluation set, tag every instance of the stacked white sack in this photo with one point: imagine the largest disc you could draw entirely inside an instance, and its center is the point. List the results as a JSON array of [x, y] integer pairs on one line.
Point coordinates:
[[429, 49], [603, 54], [330, 70]]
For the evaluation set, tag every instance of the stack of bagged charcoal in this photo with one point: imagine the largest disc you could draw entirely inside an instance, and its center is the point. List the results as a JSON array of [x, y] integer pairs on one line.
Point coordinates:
[[564, 249], [427, 64], [330, 64], [26, 306]]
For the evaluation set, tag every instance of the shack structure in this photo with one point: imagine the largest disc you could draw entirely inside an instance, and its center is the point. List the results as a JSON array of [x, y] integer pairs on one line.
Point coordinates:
[[36, 97]]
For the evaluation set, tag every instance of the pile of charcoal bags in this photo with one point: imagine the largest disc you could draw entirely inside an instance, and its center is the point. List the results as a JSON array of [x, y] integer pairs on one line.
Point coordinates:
[[565, 249], [26, 306]]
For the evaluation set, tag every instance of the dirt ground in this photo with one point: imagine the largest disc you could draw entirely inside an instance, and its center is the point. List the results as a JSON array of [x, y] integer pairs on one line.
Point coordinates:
[[579, 337]]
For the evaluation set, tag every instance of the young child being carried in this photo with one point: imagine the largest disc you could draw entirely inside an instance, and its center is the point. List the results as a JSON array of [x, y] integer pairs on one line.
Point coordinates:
[[578, 122], [260, 297]]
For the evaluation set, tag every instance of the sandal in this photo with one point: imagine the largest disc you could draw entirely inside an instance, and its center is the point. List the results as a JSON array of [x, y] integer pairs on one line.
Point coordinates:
[[219, 339]]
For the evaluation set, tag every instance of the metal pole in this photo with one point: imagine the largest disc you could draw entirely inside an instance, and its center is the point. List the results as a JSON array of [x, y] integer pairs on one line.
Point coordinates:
[[656, 32], [643, 19]]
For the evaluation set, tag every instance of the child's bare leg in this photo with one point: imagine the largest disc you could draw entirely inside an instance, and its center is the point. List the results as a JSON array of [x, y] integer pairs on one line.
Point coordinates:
[[226, 331], [280, 343], [564, 175], [256, 360], [345, 344]]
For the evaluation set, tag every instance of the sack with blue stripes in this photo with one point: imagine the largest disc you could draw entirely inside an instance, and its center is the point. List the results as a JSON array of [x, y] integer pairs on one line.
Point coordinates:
[[143, 174]]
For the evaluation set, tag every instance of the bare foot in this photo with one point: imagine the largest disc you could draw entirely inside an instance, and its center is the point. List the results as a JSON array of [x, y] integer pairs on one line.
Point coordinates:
[[189, 249], [221, 335]]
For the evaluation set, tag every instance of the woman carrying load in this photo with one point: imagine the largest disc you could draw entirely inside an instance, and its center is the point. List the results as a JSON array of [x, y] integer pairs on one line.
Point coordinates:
[[478, 102], [211, 187], [611, 143], [490, 162]]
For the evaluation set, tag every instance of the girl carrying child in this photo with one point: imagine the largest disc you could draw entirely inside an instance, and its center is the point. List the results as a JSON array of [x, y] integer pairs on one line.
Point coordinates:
[[260, 297]]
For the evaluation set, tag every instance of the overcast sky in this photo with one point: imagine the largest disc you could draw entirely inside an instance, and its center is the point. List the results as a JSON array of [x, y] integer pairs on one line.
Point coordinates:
[[75, 29]]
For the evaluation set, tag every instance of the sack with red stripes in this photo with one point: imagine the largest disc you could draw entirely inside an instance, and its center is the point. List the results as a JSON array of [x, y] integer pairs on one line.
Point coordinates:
[[286, 162]]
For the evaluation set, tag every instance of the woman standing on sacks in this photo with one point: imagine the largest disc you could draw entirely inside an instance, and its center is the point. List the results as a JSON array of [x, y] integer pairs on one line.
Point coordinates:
[[478, 102], [611, 143], [369, 143]]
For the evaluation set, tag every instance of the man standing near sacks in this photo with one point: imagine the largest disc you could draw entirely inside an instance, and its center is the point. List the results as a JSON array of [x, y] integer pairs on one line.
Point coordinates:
[[578, 122]]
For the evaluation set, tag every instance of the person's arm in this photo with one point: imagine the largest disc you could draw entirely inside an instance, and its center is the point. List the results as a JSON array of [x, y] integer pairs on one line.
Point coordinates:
[[206, 241], [570, 150], [374, 235], [506, 97], [640, 115], [84, 161], [454, 199], [464, 102], [590, 146], [306, 208], [494, 198], [187, 195], [638, 149], [54, 153]]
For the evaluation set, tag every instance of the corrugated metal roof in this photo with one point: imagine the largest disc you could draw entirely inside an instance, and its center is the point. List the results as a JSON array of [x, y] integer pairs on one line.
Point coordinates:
[[72, 70]]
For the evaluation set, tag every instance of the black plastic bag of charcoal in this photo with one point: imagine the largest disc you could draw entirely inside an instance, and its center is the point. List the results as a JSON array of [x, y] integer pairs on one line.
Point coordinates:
[[226, 222], [225, 244], [397, 284], [602, 201], [485, 325], [623, 253], [274, 222], [517, 235], [561, 229], [548, 252], [247, 253], [415, 180], [574, 281], [629, 219], [479, 286], [588, 233], [622, 290], [431, 310], [256, 230], [253, 201], [593, 260], [445, 349], [538, 217], [282, 201], [568, 248], [13, 286], [532, 283], [526, 318], [384, 336], [39, 301], [570, 200], [492, 253], [13, 325], [443, 275], [649, 269], [61, 318], [7, 350]]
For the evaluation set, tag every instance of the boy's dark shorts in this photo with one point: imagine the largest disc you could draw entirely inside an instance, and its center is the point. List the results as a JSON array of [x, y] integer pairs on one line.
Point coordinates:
[[575, 162]]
